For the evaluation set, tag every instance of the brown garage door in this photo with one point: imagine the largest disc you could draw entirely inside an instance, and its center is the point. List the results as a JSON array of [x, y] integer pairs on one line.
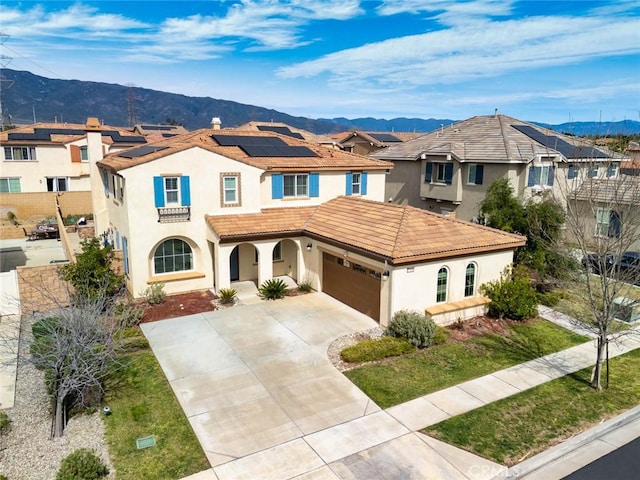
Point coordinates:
[[356, 285]]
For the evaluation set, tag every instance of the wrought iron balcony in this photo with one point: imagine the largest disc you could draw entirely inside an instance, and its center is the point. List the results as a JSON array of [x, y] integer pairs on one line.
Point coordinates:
[[174, 214]]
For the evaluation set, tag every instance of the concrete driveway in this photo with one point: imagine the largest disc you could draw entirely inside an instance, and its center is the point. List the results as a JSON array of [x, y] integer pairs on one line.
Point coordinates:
[[255, 376], [266, 404]]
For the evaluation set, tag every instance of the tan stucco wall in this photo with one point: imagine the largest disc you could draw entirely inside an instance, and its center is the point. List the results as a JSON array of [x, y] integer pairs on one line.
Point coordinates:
[[26, 205]]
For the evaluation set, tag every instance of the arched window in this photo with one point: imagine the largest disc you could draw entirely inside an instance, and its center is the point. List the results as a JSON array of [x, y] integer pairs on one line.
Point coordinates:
[[441, 287], [470, 280], [173, 255]]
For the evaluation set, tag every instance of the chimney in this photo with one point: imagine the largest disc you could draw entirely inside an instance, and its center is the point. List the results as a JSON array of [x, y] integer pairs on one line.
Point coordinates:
[[215, 123], [92, 124]]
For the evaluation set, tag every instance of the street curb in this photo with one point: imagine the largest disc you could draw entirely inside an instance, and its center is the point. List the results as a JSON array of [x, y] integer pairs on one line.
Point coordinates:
[[579, 441]]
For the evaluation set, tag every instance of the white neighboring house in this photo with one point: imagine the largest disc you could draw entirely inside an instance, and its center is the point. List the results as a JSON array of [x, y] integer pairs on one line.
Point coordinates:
[[211, 207], [54, 157]]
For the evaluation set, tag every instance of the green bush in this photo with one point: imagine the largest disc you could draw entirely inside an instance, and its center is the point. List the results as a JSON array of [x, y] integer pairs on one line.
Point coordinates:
[[154, 293], [512, 296], [273, 289], [5, 423], [227, 295], [305, 286], [376, 349], [550, 299], [414, 326], [83, 464], [441, 336], [128, 314]]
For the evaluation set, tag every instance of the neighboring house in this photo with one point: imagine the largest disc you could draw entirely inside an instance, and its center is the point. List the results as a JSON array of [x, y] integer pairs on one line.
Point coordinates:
[[609, 212], [450, 169], [208, 208], [158, 132], [54, 157], [631, 167], [284, 129], [365, 143]]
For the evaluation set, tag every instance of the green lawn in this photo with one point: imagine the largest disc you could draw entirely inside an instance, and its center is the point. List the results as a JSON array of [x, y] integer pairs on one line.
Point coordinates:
[[143, 404], [517, 427], [400, 379]]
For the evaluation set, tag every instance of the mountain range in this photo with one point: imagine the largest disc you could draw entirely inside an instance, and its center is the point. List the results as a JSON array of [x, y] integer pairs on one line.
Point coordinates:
[[27, 98]]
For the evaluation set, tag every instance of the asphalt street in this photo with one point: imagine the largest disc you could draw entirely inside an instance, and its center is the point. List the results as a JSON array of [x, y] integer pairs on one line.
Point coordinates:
[[621, 464]]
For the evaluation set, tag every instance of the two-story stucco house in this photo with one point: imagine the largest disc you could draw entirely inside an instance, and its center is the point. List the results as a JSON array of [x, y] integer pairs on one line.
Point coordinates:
[[54, 157], [208, 208], [450, 169]]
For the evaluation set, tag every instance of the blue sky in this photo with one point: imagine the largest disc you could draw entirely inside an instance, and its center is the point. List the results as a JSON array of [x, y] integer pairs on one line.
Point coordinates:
[[547, 61]]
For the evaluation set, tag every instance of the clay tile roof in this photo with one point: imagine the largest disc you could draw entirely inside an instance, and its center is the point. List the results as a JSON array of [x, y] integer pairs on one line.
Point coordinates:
[[325, 159], [270, 221], [396, 233], [64, 132]]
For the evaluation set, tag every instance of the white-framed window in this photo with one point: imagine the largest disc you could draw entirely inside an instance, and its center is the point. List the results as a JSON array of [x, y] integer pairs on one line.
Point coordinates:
[[356, 180], [10, 185], [57, 184], [541, 175], [230, 189], [172, 255], [20, 153], [470, 280], [84, 153], [171, 190], [441, 285], [296, 185], [475, 174], [607, 223], [593, 172], [439, 173]]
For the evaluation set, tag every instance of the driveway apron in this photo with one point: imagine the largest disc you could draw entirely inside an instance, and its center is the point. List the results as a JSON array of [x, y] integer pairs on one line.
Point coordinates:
[[252, 377]]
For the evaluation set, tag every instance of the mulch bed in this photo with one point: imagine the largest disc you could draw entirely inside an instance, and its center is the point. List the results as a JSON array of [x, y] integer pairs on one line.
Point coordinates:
[[179, 305], [477, 326]]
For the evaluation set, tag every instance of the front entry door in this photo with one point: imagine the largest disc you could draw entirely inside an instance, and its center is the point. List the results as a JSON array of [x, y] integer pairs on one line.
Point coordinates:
[[234, 265]]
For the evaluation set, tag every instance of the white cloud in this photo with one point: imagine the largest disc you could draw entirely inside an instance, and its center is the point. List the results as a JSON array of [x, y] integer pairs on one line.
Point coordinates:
[[482, 49]]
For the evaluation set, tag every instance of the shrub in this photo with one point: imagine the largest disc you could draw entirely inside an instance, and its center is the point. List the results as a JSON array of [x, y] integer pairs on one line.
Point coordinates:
[[5, 423], [512, 296], [227, 295], [12, 218], [376, 349], [83, 464], [305, 286], [154, 293], [441, 336], [550, 299], [414, 326], [128, 314], [273, 289]]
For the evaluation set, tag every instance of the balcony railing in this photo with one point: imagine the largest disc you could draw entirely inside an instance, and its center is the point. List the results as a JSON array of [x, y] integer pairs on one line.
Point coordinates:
[[174, 214]]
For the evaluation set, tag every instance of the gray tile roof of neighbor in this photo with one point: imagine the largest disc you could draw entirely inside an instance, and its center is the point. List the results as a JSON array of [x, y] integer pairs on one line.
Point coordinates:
[[492, 139]]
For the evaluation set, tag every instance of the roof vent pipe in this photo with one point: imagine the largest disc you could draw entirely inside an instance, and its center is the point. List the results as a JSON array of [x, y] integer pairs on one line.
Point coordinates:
[[495, 112], [215, 123]]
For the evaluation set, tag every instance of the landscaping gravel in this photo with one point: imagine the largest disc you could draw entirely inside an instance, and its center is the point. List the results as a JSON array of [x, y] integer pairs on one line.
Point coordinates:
[[28, 452]]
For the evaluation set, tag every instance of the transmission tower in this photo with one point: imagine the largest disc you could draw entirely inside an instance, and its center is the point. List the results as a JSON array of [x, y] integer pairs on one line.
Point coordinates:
[[131, 104], [5, 118]]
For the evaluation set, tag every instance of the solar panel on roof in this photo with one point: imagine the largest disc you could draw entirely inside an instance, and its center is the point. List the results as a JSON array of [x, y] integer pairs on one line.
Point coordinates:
[[567, 149], [242, 140], [141, 151], [157, 127], [385, 137], [281, 130], [278, 151], [117, 138]]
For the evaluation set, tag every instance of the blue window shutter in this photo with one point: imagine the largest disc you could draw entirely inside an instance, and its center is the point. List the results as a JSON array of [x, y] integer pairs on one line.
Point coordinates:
[[314, 185], [448, 173], [572, 172], [479, 174], [532, 177], [185, 191], [552, 174], [428, 173], [117, 240], [277, 185], [125, 254], [363, 183], [349, 184], [158, 191]]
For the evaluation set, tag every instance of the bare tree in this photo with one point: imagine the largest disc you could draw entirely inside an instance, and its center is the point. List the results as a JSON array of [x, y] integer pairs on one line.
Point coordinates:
[[602, 223]]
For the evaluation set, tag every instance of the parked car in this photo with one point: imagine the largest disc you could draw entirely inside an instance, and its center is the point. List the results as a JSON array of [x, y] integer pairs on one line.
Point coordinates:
[[597, 263], [630, 267]]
